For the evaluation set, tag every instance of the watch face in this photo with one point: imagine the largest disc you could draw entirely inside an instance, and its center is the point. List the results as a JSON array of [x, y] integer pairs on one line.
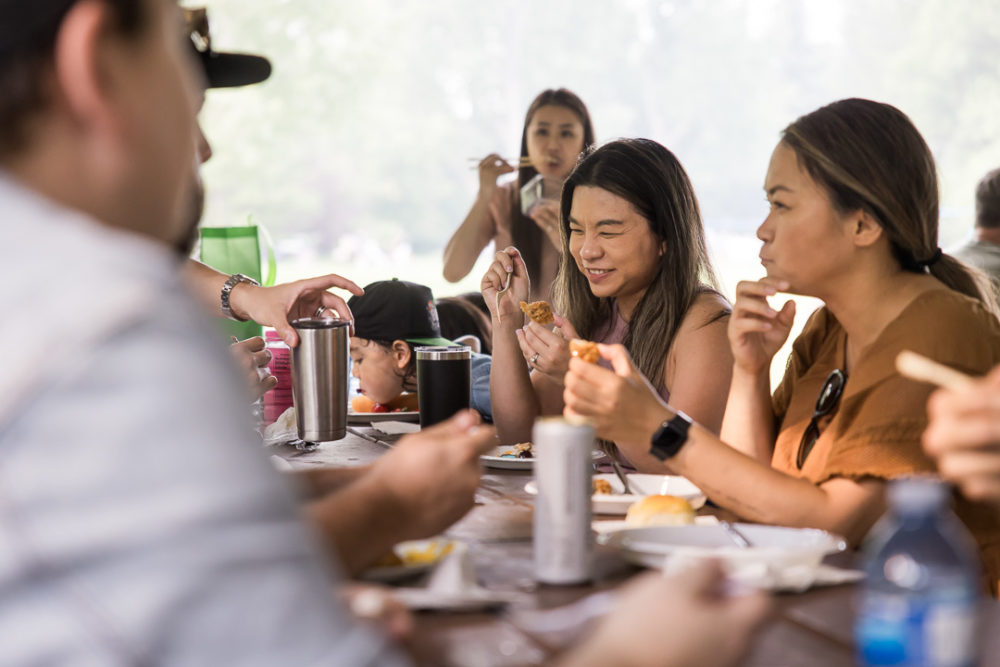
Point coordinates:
[[670, 437]]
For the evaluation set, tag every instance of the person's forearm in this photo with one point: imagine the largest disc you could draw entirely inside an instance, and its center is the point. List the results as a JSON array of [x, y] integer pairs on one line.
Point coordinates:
[[320, 482], [206, 285], [468, 240], [512, 395], [360, 523], [748, 424]]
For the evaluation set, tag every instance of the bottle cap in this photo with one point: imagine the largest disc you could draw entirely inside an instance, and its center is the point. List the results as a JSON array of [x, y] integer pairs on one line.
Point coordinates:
[[917, 494]]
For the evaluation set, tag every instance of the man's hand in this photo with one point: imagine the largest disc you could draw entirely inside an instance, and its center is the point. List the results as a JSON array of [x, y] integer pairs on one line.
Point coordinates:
[[277, 306], [252, 358], [676, 621], [432, 475]]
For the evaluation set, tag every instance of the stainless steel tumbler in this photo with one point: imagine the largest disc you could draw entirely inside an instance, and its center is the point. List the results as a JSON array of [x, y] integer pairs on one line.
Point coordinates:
[[443, 382], [319, 378]]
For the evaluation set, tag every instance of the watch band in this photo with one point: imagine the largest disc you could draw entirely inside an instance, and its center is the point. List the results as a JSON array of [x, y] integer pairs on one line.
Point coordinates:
[[227, 288], [670, 437]]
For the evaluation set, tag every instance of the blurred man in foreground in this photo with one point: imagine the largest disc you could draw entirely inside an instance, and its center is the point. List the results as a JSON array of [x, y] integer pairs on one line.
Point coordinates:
[[138, 525]]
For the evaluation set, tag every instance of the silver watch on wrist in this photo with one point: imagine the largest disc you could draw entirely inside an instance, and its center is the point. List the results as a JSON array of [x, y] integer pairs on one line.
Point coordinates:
[[227, 288]]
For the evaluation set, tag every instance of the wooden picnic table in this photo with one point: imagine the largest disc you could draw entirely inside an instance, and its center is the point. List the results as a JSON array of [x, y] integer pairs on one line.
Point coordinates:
[[812, 628]]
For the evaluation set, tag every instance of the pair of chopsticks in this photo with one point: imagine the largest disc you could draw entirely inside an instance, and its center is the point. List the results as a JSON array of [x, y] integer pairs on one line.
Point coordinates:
[[918, 367], [524, 161]]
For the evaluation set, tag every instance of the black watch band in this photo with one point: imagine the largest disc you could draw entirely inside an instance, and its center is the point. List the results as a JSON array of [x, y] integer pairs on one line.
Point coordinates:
[[670, 437]]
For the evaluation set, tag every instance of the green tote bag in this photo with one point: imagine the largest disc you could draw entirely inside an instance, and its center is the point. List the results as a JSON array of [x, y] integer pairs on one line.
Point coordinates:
[[238, 250]]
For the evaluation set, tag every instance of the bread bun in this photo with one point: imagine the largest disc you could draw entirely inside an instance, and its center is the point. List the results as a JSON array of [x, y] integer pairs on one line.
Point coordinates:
[[660, 511]]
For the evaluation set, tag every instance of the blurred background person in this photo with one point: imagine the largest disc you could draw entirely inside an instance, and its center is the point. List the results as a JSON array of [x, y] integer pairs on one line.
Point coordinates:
[[462, 322], [983, 251], [557, 129]]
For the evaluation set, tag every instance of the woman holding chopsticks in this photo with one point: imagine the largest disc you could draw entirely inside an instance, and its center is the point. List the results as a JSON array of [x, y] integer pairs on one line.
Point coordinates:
[[557, 129], [853, 221]]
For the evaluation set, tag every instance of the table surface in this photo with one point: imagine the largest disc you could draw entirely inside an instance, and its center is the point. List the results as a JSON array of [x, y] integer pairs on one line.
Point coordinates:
[[811, 628]]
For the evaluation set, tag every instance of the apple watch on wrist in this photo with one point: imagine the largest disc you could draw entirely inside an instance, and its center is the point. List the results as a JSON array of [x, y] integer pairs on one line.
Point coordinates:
[[227, 289], [670, 437]]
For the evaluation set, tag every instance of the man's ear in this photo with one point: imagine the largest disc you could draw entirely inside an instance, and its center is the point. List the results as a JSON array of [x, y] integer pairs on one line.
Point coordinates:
[[81, 64], [865, 229], [401, 353]]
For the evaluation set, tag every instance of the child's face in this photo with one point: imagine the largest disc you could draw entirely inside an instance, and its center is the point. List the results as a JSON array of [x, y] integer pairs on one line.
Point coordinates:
[[376, 368]]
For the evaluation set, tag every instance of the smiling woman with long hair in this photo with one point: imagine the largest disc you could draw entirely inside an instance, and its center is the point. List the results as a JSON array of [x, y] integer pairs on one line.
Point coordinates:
[[853, 221], [634, 270], [557, 129]]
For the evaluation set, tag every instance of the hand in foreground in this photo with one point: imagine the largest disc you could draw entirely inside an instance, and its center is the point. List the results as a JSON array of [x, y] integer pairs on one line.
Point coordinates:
[[252, 358], [277, 306], [495, 279], [623, 405], [432, 475], [491, 168], [377, 605], [547, 351], [757, 331], [963, 435], [674, 622]]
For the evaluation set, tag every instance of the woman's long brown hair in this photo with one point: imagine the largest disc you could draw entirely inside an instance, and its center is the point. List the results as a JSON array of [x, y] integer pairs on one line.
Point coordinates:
[[525, 234]]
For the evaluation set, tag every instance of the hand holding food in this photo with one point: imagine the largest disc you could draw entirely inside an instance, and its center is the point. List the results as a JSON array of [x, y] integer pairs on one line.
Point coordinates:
[[757, 331], [622, 404], [491, 168], [545, 350]]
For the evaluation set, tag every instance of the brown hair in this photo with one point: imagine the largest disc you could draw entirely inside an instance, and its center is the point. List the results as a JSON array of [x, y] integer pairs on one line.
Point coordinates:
[[870, 157], [988, 201], [525, 234], [460, 317], [649, 177], [26, 49]]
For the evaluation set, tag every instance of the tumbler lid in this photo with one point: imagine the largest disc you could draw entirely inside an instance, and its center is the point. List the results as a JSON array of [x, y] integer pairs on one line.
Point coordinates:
[[443, 353], [319, 323]]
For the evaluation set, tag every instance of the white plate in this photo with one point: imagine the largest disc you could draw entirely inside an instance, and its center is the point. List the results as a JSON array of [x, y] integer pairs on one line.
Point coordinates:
[[644, 485], [401, 572], [776, 546], [369, 417], [494, 460]]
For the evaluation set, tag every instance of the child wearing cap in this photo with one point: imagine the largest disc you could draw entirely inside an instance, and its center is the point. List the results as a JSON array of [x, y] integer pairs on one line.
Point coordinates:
[[390, 319]]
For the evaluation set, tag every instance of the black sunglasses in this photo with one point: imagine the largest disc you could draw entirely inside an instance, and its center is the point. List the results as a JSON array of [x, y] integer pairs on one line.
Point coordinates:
[[829, 394]]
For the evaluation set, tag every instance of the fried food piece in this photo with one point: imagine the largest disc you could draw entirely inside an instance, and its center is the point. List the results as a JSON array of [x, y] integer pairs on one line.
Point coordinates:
[[585, 350], [602, 487], [538, 311], [522, 450]]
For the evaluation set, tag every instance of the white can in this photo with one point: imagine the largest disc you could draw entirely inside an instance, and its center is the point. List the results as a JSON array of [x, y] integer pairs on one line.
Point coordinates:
[[563, 541]]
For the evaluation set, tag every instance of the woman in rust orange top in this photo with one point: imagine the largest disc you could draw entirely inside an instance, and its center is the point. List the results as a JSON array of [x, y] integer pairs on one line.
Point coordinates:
[[853, 221]]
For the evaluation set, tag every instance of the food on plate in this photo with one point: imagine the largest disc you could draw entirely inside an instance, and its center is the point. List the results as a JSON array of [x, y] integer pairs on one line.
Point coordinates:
[[409, 555], [602, 487], [402, 403], [660, 511], [584, 349], [521, 450], [538, 311]]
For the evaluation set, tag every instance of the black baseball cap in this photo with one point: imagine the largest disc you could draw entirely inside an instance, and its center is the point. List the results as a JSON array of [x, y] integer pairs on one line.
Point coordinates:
[[397, 310], [223, 70]]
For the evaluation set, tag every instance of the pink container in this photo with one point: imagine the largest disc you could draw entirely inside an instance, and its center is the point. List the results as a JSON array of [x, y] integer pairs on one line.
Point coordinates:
[[278, 399]]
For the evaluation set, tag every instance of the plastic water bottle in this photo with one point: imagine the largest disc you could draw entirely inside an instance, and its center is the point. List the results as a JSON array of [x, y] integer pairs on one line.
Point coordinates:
[[920, 599]]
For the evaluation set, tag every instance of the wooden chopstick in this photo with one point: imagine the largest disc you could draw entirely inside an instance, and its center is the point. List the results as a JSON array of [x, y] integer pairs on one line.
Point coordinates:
[[521, 162], [918, 367]]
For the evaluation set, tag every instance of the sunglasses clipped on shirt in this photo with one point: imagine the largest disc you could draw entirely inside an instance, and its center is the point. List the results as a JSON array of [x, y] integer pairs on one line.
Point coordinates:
[[829, 395]]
